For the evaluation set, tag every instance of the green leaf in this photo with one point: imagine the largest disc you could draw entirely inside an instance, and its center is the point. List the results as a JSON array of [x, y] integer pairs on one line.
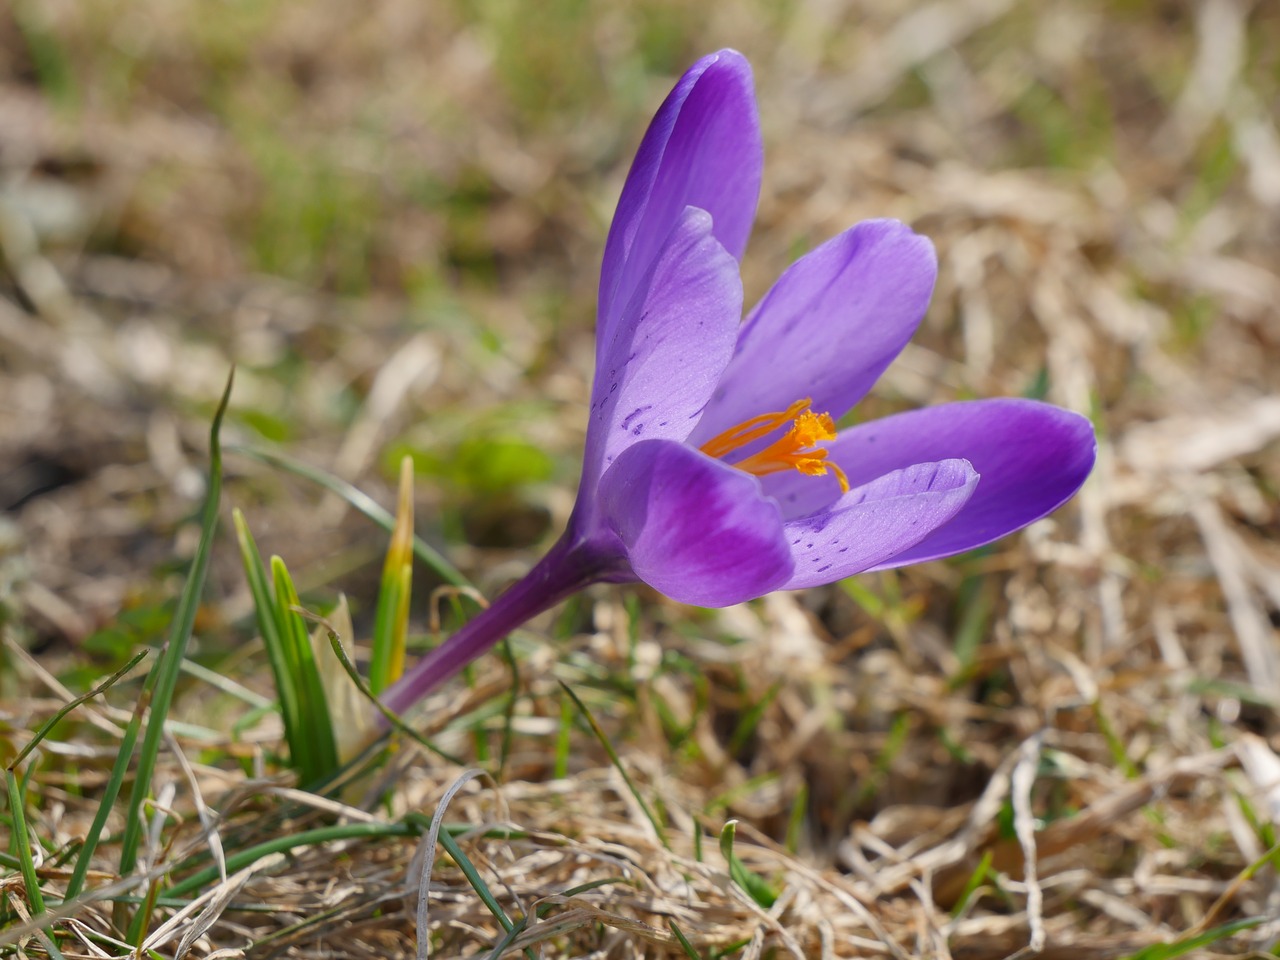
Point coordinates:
[[264, 606], [755, 886], [308, 725], [312, 743]]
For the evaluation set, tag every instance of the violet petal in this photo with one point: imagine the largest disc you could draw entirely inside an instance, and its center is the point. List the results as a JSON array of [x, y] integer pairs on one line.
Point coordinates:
[[829, 327], [694, 528], [876, 522], [703, 149], [669, 349], [1032, 457]]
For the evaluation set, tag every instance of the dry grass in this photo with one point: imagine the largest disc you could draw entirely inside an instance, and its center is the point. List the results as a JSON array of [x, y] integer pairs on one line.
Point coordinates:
[[391, 220]]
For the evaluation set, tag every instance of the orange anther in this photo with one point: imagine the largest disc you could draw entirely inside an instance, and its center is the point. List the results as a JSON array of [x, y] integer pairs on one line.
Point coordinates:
[[797, 449]]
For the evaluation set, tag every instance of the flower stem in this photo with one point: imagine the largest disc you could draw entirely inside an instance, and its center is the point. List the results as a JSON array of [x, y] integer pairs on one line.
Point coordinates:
[[561, 573]]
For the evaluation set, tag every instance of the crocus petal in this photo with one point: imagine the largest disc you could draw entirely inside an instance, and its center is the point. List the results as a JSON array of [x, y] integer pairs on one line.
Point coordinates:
[[669, 349], [703, 149], [876, 522], [829, 327], [693, 527], [1032, 457]]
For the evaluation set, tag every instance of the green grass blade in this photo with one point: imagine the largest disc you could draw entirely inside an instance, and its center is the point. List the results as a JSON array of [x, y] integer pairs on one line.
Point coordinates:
[[542, 911], [360, 501], [242, 858], [796, 821], [228, 686], [617, 762], [50, 946], [264, 607], [354, 728], [107, 802], [392, 719], [755, 886], [57, 717], [1168, 951], [313, 743], [974, 604], [1117, 746], [308, 725], [509, 708], [501, 946], [971, 885], [685, 945], [21, 839], [21, 843], [587, 887], [480, 887], [390, 629], [163, 678], [564, 740], [391, 622]]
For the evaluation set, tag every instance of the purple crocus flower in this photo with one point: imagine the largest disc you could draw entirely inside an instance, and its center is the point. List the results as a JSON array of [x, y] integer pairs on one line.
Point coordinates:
[[713, 470]]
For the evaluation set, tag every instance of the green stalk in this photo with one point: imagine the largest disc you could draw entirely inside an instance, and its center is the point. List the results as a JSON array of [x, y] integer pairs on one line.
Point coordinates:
[[163, 678]]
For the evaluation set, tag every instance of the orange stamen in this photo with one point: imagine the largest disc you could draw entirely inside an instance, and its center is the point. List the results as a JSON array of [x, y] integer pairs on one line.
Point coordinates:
[[797, 449], [749, 430]]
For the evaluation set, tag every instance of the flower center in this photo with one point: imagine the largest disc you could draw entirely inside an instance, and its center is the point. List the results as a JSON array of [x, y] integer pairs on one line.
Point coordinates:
[[797, 449]]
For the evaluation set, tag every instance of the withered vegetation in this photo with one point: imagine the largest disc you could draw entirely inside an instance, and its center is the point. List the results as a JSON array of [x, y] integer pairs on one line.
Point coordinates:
[[390, 217]]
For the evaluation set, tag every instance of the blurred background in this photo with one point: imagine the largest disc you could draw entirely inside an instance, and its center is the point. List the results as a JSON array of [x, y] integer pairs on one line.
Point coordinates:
[[390, 217]]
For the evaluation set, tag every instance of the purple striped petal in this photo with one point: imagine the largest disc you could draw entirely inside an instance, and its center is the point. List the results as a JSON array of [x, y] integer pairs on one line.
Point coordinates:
[[694, 528], [660, 367], [703, 149], [829, 327], [874, 523], [1032, 457]]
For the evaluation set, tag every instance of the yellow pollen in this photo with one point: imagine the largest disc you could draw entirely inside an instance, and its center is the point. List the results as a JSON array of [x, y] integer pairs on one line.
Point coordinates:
[[797, 449]]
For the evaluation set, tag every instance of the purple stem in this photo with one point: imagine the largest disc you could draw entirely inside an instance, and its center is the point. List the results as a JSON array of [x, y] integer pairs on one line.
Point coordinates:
[[565, 570]]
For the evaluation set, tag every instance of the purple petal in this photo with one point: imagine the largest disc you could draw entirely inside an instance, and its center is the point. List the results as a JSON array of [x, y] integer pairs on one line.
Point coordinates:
[[875, 523], [829, 327], [703, 149], [694, 528], [1032, 457], [669, 349]]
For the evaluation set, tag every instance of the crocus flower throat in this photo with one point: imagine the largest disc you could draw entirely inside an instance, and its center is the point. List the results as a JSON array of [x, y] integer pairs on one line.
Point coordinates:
[[797, 449]]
